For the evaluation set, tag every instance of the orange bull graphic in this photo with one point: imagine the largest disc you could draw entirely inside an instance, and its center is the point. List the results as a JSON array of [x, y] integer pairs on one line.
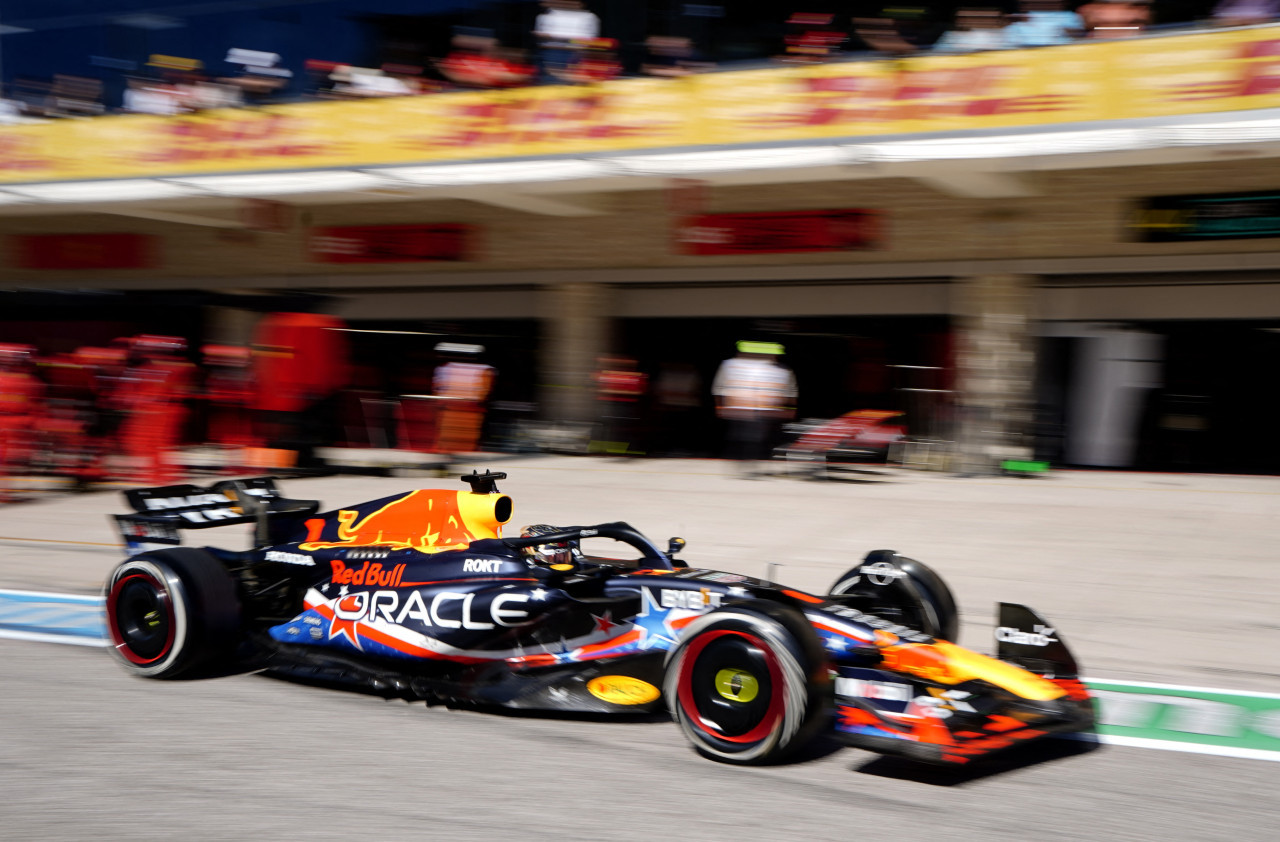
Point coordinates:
[[946, 663], [428, 521]]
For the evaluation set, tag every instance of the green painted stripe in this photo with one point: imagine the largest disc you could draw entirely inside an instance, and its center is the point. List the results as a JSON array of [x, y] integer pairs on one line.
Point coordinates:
[[1200, 719], [1024, 465]]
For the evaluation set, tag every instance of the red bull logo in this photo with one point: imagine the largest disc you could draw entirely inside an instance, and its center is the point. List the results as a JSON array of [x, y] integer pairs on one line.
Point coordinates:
[[371, 573]]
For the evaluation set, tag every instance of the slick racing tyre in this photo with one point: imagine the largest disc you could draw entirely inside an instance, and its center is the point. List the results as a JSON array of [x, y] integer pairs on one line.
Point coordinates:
[[901, 590], [172, 613], [748, 683]]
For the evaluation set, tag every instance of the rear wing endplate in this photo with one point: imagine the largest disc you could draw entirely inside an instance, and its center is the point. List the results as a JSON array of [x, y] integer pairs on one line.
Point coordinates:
[[160, 513]]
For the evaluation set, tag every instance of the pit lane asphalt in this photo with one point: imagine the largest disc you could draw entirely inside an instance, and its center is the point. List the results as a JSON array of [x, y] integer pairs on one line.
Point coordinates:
[[1149, 577], [91, 753]]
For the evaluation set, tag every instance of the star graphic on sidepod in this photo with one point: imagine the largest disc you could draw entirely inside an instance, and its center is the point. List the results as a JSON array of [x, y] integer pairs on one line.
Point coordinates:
[[604, 623], [654, 624], [350, 629], [835, 643]]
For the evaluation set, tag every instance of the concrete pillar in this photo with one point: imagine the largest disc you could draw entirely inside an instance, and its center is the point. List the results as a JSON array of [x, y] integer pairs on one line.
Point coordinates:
[[576, 329], [995, 362]]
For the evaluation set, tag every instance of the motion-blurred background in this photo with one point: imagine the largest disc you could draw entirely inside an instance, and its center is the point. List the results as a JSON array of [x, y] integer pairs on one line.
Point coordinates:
[[304, 234]]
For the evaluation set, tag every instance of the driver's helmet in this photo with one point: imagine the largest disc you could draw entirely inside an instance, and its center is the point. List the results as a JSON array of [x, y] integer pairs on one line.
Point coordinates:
[[548, 554]]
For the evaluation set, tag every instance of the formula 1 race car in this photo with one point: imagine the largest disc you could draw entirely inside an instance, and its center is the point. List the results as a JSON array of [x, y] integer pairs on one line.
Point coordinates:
[[418, 595], [855, 439]]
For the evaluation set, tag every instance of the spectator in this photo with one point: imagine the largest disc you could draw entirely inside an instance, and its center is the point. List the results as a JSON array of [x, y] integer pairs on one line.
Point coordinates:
[[200, 94], [620, 387], [85, 409], [149, 96], [1043, 23], [75, 96], [154, 391], [463, 385], [976, 29], [478, 62], [33, 94], [21, 400], [670, 56], [810, 38], [596, 63], [883, 35], [262, 77], [11, 111], [561, 31], [228, 392], [411, 78], [1115, 18], [754, 395], [366, 82], [1245, 12]]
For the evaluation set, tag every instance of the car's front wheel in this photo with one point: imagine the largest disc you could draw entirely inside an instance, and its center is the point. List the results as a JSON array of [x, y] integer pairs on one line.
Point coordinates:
[[748, 683], [900, 589], [172, 613]]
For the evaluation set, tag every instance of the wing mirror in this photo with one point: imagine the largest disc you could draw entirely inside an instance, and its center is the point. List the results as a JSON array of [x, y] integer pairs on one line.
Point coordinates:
[[675, 545]]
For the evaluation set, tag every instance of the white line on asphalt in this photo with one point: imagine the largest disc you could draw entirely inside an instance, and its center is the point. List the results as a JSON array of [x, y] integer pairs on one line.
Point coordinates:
[[1168, 745], [52, 597], [1124, 683], [39, 637]]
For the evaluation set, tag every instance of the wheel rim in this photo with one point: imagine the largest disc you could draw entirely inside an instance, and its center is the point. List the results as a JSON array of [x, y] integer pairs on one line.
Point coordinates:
[[141, 619], [731, 687]]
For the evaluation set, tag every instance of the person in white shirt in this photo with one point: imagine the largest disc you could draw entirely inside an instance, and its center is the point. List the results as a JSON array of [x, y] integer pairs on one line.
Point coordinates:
[[561, 31], [147, 97], [754, 394]]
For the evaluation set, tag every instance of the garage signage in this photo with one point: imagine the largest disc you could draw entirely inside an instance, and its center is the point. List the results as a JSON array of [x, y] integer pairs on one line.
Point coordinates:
[[392, 243], [1220, 216], [84, 251], [779, 233]]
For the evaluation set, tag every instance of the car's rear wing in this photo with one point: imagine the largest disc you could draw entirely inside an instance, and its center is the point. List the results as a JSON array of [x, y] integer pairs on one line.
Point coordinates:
[[160, 513]]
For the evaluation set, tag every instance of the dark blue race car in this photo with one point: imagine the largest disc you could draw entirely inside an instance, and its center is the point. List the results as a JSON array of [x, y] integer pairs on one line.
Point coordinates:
[[419, 595]]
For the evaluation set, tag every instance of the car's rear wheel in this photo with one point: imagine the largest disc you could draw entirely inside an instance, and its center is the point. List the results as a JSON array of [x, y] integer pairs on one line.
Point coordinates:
[[172, 613], [748, 683]]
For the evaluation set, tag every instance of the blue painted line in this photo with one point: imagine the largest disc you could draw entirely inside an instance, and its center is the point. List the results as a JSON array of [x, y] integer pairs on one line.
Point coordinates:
[[31, 615], [92, 633]]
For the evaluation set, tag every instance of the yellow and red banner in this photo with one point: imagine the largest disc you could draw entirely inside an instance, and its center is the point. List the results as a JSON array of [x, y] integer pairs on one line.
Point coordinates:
[[1183, 74]]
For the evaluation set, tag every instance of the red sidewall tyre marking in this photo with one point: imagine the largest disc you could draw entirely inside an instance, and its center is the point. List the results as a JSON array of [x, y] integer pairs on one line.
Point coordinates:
[[118, 640], [777, 699]]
